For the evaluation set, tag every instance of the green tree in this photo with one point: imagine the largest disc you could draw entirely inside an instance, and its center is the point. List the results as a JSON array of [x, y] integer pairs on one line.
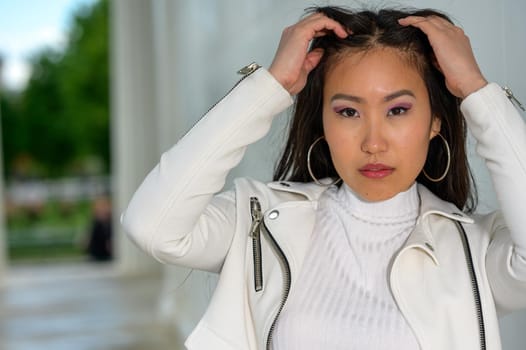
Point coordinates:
[[12, 126], [61, 119], [86, 82]]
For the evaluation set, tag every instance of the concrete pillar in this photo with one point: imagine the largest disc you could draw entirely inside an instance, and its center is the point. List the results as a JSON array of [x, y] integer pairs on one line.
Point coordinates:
[[165, 58], [134, 121], [3, 236]]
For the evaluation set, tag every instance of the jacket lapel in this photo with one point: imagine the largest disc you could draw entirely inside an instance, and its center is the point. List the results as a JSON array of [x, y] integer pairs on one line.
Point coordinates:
[[430, 280]]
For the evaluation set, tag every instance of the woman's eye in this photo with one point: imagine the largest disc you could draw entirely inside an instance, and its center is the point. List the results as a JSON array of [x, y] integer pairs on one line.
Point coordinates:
[[397, 111], [348, 112]]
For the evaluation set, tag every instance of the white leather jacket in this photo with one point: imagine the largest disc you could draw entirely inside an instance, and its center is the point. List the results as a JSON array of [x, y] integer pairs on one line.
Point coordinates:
[[449, 291]]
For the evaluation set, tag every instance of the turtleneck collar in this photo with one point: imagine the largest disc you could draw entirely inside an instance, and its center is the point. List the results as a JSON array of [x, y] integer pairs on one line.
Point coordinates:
[[402, 207]]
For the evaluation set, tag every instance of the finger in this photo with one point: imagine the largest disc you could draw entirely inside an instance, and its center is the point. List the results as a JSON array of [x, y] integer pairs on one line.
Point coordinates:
[[426, 23], [322, 24], [312, 59], [322, 33], [410, 20], [336, 28], [436, 28]]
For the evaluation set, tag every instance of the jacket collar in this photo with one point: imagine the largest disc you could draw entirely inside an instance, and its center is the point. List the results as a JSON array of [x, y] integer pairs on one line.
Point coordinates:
[[429, 202], [309, 190], [421, 238]]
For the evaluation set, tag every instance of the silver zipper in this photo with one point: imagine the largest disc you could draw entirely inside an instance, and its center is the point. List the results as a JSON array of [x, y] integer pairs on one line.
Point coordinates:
[[512, 98], [257, 216], [286, 280], [255, 232], [249, 69], [474, 285]]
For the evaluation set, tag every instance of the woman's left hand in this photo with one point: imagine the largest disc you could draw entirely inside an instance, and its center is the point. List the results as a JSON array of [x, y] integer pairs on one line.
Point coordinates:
[[453, 53]]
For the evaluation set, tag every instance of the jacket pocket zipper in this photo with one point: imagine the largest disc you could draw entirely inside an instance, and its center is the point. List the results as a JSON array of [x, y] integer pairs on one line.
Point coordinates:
[[287, 280], [255, 233], [474, 285]]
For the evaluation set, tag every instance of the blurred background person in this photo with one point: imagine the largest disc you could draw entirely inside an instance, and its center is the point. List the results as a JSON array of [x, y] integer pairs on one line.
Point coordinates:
[[100, 246]]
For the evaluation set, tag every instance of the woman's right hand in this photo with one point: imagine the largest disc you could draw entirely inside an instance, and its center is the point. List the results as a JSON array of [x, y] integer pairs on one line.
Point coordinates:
[[292, 62]]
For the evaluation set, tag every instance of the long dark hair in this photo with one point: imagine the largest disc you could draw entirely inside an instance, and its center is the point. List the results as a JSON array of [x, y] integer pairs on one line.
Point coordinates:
[[370, 30]]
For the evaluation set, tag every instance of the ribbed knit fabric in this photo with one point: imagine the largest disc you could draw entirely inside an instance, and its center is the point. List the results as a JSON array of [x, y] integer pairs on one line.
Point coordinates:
[[342, 298]]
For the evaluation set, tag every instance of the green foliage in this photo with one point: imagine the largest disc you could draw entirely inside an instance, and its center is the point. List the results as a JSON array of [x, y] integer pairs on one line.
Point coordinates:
[[52, 231], [61, 120], [57, 251], [50, 214]]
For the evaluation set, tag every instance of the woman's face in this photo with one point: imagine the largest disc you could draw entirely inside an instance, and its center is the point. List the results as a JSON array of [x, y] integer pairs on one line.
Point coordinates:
[[378, 122]]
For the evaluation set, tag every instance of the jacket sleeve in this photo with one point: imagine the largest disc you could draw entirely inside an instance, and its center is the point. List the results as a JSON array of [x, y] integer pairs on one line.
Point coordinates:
[[175, 215], [500, 133]]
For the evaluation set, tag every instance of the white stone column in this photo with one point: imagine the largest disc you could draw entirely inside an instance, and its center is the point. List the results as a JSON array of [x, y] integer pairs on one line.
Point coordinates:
[[184, 293], [3, 236], [133, 112]]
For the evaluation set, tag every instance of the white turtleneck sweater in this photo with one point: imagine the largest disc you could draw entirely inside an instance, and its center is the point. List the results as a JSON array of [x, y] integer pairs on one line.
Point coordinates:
[[342, 298]]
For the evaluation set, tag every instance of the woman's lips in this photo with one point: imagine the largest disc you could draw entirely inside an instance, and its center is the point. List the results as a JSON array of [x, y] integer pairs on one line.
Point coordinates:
[[376, 171]]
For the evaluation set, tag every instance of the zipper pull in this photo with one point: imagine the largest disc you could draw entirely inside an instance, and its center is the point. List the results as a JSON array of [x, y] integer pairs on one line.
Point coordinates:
[[512, 98], [257, 219], [257, 216], [249, 69]]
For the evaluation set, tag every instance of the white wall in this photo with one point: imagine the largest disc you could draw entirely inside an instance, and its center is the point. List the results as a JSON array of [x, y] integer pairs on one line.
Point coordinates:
[[196, 48]]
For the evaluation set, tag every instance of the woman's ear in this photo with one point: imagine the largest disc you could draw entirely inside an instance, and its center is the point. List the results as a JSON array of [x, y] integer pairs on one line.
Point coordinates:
[[436, 124]]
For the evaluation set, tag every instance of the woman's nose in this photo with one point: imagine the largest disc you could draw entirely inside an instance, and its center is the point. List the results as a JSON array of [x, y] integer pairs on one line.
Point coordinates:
[[374, 140]]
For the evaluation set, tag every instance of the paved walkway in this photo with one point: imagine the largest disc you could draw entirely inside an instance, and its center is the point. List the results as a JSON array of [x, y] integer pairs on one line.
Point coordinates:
[[84, 306], [79, 306]]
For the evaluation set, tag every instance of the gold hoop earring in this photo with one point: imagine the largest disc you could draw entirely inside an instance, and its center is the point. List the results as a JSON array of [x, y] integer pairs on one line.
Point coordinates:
[[318, 182], [447, 164]]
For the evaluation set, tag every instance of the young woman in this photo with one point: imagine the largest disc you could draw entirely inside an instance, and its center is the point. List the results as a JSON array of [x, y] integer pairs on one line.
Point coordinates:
[[366, 240]]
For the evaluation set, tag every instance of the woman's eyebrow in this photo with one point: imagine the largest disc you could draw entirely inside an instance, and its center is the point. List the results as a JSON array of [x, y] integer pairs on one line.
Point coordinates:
[[347, 97], [399, 93], [387, 98]]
